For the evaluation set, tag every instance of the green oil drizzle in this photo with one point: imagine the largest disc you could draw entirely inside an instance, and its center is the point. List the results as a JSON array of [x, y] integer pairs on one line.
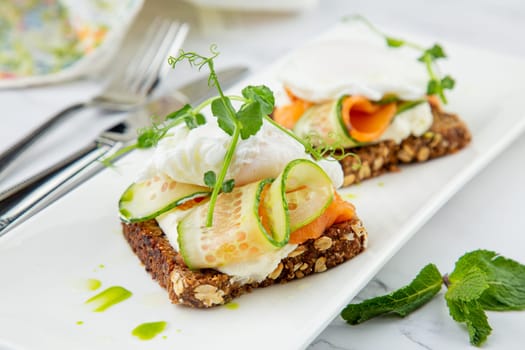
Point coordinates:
[[164, 337], [232, 306], [99, 267], [80, 323], [381, 184], [350, 196], [93, 284], [149, 330], [109, 297]]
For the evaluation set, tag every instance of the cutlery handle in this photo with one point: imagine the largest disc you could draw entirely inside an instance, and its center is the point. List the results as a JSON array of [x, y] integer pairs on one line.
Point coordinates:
[[15, 150], [59, 184], [38, 179]]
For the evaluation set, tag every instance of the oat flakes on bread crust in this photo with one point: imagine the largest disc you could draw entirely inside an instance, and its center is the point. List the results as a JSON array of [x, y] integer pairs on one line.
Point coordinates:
[[448, 134], [207, 288]]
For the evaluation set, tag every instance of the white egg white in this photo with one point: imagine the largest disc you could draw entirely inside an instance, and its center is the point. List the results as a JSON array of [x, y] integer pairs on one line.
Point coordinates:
[[185, 155], [353, 60]]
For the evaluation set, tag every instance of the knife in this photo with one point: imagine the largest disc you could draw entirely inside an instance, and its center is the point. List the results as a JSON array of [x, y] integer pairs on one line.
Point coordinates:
[[25, 199]]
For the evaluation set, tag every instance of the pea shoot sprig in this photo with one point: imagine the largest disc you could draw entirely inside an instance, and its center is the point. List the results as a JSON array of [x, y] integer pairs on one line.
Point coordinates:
[[257, 103], [436, 85]]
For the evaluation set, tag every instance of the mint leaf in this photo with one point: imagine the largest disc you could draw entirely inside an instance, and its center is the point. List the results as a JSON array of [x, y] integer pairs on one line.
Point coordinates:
[[467, 284], [210, 178], [221, 108], [250, 118], [505, 279], [394, 42], [261, 94], [472, 314], [482, 280], [401, 302]]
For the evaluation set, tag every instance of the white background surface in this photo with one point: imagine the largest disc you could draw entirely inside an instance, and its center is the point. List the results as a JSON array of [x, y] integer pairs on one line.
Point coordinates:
[[486, 213]]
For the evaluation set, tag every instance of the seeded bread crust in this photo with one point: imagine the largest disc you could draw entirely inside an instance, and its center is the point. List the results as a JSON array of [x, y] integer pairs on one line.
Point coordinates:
[[448, 134], [207, 288]]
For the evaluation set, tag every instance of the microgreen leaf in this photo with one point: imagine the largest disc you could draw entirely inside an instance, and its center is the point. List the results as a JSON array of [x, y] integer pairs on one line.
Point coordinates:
[[436, 52], [187, 114], [200, 119], [401, 302], [221, 109], [433, 87], [210, 178], [432, 54], [448, 82], [148, 138], [190, 122], [394, 42], [181, 113], [228, 185], [250, 118], [261, 94]]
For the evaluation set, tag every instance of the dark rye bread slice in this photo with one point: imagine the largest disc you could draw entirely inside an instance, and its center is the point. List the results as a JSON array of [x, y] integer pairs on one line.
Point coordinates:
[[206, 288], [448, 134]]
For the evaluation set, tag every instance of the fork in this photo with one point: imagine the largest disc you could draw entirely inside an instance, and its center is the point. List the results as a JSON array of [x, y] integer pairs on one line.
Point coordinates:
[[129, 87]]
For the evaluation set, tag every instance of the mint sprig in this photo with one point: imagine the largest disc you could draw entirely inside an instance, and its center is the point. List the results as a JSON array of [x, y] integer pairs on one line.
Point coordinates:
[[505, 279], [401, 302], [482, 280], [238, 124], [436, 85]]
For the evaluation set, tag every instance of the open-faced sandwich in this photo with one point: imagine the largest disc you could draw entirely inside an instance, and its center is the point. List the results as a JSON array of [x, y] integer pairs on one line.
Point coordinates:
[[230, 204], [360, 90]]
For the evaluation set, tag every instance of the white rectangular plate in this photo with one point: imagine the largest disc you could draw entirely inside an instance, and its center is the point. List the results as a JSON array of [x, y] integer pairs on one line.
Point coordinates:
[[45, 261]]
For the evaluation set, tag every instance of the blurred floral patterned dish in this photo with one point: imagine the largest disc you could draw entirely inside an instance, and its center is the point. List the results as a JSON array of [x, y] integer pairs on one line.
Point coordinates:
[[48, 41]]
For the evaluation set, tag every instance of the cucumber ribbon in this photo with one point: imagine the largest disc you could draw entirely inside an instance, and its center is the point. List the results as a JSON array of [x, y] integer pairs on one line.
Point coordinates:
[[148, 199], [325, 123], [299, 195]]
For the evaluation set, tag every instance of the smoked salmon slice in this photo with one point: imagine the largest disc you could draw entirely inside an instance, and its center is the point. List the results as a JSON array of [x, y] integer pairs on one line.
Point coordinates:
[[338, 211]]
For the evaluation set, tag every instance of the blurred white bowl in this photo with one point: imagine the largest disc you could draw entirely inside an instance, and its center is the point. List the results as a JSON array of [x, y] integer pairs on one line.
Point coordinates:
[[56, 40]]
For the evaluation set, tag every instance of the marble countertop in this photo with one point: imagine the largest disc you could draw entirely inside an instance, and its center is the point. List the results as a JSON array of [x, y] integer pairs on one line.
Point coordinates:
[[485, 213]]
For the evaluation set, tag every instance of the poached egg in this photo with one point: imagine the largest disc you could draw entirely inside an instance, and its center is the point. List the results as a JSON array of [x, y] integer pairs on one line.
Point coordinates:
[[353, 60], [186, 154]]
